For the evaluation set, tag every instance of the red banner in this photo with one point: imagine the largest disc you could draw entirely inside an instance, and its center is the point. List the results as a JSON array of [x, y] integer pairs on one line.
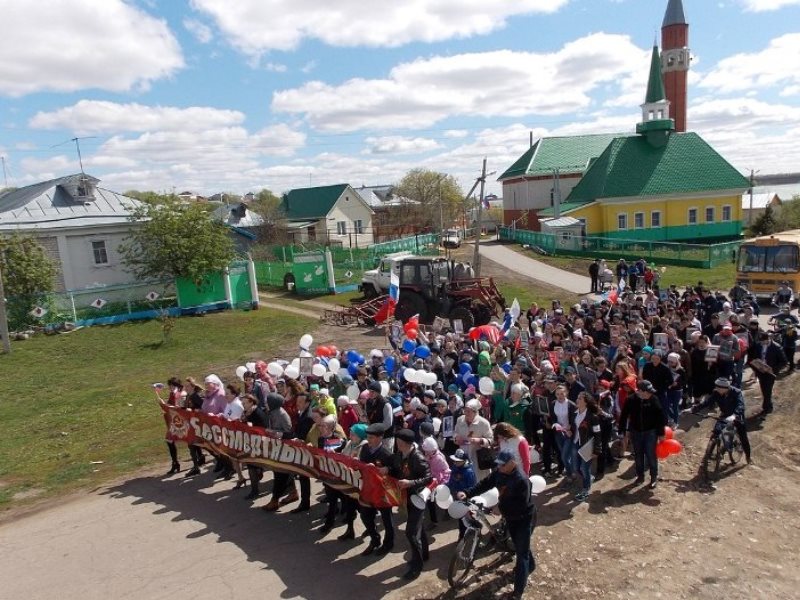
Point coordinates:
[[255, 446]]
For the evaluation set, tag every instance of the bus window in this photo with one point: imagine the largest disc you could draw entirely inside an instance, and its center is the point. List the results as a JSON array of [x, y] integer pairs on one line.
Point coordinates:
[[768, 259]]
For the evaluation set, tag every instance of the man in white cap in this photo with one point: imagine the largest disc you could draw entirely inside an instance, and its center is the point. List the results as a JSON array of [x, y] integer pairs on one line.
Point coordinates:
[[473, 434]]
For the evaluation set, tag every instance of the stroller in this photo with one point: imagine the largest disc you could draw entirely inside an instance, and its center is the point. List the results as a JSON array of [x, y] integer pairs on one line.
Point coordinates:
[[606, 279]]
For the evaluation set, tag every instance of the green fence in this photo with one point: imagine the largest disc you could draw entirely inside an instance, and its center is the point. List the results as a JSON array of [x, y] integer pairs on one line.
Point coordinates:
[[704, 256]]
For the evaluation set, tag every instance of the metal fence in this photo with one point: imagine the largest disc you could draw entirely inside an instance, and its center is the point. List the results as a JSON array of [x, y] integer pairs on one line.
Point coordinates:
[[704, 256], [90, 306]]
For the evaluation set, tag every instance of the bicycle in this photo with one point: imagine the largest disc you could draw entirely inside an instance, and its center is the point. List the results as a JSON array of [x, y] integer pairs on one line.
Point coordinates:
[[724, 441], [480, 536]]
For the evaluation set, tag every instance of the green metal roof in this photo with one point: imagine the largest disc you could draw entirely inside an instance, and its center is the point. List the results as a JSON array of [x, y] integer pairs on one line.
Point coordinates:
[[631, 166], [564, 208], [568, 154], [655, 85], [311, 203]]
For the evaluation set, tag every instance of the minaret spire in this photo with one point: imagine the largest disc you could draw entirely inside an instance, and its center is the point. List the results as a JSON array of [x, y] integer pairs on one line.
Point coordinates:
[[675, 60]]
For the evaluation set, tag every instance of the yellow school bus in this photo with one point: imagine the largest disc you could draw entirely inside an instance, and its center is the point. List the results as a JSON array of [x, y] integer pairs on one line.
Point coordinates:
[[765, 261]]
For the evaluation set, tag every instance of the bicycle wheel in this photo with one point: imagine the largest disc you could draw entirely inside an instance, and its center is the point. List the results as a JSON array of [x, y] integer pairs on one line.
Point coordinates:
[[712, 460], [737, 450], [461, 563]]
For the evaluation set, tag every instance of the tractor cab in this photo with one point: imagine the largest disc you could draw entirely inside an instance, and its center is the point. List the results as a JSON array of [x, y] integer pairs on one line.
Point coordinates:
[[426, 276]]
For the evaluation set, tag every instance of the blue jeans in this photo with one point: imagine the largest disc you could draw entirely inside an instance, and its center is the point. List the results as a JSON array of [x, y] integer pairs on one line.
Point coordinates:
[[673, 406], [520, 531], [583, 467], [644, 447], [565, 445]]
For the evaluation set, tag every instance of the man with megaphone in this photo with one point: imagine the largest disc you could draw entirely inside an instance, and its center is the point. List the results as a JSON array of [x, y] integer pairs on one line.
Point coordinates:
[[517, 506]]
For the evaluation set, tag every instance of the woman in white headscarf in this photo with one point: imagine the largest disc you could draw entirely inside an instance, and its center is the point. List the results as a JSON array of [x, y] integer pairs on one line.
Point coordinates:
[[214, 404]]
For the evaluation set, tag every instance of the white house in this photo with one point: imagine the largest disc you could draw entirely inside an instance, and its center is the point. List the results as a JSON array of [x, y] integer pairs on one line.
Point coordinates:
[[331, 214], [80, 225]]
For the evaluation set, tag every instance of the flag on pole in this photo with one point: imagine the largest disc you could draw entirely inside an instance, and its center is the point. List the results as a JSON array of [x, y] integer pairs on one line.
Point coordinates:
[[387, 310]]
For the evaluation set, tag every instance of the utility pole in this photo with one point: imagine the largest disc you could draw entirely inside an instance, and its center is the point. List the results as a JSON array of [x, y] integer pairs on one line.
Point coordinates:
[[750, 213], [4, 317], [476, 260], [5, 177], [441, 209]]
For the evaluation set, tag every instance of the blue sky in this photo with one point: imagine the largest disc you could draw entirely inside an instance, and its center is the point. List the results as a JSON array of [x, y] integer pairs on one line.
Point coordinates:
[[211, 95]]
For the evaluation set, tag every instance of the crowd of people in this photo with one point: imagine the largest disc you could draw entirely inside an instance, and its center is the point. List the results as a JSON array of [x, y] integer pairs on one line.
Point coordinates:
[[550, 395]]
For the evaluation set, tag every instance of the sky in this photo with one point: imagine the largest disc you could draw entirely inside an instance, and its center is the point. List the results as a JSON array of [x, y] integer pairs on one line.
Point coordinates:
[[212, 95]]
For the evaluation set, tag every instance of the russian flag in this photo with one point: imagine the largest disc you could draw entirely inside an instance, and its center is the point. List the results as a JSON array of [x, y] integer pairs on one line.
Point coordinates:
[[387, 310]]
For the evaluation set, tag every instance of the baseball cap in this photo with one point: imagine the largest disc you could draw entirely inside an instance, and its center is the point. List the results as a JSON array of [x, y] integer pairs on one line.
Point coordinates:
[[645, 386], [503, 458], [722, 382], [459, 456]]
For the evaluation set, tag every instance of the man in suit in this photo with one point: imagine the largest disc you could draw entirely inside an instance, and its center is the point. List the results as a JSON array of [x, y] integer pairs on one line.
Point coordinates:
[[374, 453], [769, 359], [594, 272]]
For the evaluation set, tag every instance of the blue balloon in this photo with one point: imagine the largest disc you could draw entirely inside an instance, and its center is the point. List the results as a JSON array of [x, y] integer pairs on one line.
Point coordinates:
[[352, 356], [422, 352], [352, 368], [465, 368], [360, 359], [507, 367], [409, 345], [389, 363], [473, 381]]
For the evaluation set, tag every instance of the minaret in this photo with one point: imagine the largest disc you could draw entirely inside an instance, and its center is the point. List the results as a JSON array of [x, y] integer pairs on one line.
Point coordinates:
[[675, 59], [656, 124]]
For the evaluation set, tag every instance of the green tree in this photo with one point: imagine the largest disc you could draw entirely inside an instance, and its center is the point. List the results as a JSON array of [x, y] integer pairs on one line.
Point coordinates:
[[764, 224], [149, 197], [28, 276], [273, 231], [438, 194], [788, 217], [172, 241]]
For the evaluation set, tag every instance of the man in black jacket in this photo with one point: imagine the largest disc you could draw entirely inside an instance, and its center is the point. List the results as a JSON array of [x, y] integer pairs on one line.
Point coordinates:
[[303, 425], [768, 359], [256, 417], [731, 403], [644, 417], [415, 474], [374, 453], [594, 271], [517, 506]]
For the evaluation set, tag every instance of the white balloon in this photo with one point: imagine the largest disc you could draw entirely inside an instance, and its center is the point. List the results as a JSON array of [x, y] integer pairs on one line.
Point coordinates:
[[410, 375], [375, 353], [295, 362], [437, 425], [442, 496], [489, 498], [292, 372], [384, 388], [274, 369], [305, 353], [458, 509], [353, 392], [318, 370], [327, 377], [430, 379], [538, 484], [486, 385], [343, 373], [306, 341], [334, 365], [240, 371], [535, 458], [251, 366]]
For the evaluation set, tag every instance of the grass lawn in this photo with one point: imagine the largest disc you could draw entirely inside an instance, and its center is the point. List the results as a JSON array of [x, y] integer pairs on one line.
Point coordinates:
[[721, 277], [542, 295], [83, 397]]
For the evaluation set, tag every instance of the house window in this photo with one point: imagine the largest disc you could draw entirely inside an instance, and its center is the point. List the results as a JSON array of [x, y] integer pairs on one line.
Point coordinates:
[[655, 218], [622, 221], [692, 216], [359, 226], [709, 214], [341, 227], [638, 220], [100, 253], [726, 212]]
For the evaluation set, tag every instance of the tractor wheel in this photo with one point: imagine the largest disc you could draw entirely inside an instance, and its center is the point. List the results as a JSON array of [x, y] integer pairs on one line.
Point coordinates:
[[411, 304], [463, 313], [482, 314], [369, 291]]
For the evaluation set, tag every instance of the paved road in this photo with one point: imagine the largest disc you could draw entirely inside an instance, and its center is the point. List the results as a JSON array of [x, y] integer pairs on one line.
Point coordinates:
[[154, 538], [534, 269]]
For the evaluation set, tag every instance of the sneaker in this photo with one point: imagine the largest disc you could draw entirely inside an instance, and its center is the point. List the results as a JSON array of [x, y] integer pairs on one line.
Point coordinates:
[[581, 496], [653, 484], [639, 480], [271, 507]]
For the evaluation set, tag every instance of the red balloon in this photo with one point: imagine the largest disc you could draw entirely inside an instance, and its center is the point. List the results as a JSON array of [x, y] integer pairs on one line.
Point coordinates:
[[674, 446], [323, 351], [662, 451], [332, 350], [668, 433], [412, 333]]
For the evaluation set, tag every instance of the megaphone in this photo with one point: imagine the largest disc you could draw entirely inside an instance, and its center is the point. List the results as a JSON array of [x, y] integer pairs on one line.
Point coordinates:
[[488, 499], [421, 499], [443, 497], [458, 509]]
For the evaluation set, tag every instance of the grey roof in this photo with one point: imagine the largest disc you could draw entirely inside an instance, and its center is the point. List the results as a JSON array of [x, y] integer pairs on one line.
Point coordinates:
[[674, 14], [560, 222], [49, 205], [237, 215], [381, 196], [760, 200]]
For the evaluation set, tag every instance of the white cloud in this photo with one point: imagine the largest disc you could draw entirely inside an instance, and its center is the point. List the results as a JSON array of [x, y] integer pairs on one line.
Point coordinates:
[[275, 67], [393, 144], [95, 116], [777, 64], [766, 5], [309, 66], [456, 133], [200, 31], [51, 45], [419, 93], [255, 26]]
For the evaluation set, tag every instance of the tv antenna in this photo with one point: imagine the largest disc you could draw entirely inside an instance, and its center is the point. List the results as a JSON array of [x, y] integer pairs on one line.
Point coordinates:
[[77, 141]]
